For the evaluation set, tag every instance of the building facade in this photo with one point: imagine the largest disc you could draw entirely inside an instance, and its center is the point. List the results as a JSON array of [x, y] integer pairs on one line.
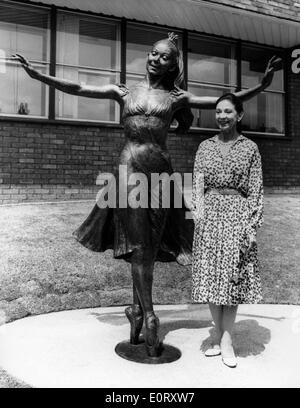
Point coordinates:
[[53, 145]]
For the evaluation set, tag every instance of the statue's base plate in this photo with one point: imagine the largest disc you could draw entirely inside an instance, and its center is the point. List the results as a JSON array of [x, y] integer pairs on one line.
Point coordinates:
[[138, 353]]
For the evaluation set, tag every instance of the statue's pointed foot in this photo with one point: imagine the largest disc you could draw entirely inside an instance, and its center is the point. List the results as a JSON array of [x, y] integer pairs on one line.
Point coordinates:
[[134, 314]]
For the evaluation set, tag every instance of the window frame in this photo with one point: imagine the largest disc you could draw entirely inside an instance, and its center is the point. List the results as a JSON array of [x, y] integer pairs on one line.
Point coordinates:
[[51, 117]]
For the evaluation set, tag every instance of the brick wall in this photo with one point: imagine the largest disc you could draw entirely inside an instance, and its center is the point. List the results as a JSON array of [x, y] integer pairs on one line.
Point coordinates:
[[45, 162], [278, 8]]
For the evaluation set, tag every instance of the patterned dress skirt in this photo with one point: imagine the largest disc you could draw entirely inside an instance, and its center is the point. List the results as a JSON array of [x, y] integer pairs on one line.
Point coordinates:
[[222, 275]]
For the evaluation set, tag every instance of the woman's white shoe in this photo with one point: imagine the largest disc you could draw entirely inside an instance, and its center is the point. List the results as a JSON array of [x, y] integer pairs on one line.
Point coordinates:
[[230, 361], [213, 351]]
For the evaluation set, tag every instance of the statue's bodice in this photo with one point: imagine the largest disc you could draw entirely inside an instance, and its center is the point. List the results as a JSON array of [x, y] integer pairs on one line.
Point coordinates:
[[147, 114]]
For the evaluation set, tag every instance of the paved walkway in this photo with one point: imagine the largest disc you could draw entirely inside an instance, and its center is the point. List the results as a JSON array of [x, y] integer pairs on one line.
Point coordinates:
[[76, 349]]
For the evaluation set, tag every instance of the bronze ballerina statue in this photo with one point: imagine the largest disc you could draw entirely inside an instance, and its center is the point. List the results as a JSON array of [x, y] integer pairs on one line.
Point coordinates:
[[144, 235]]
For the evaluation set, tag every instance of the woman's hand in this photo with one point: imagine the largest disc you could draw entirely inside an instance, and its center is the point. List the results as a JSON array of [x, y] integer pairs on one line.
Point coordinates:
[[252, 241], [25, 64], [249, 243], [274, 64]]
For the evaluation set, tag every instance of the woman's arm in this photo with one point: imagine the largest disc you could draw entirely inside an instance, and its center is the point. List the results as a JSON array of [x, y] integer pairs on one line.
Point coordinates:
[[255, 198], [209, 102], [197, 201], [101, 92]]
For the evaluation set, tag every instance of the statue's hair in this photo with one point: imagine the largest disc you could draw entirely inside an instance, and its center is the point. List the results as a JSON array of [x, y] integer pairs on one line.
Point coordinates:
[[175, 79]]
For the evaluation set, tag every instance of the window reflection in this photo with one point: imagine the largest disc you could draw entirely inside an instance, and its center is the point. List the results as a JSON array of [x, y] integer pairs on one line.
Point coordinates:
[[254, 63], [88, 52], [24, 31], [210, 61], [204, 118], [74, 107], [22, 95], [264, 113]]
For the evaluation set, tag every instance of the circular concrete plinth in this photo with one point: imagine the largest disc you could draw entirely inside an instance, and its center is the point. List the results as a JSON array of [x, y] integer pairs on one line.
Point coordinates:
[[138, 354], [77, 349]]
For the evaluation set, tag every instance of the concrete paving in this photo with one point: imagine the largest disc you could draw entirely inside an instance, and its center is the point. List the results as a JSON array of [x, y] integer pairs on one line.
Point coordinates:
[[76, 349]]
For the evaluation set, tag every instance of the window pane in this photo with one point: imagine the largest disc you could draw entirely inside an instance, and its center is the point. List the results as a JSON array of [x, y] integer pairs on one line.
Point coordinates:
[[132, 79], [205, 118], [24, 30], [20, 94], [83, 41], [254, 63], [74, 107], [139, 43], [264, 113], [210, 61]]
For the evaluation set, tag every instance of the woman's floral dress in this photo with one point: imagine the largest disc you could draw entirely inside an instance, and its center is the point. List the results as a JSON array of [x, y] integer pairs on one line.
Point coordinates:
[[221, 273]]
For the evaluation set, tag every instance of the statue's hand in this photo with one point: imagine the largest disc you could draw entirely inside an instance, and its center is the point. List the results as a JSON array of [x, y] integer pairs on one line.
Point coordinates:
[[177, 92], [25, 63], [274, 64]]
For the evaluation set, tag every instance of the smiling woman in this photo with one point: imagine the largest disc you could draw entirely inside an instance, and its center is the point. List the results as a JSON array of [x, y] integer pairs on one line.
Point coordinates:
[[225, 265]]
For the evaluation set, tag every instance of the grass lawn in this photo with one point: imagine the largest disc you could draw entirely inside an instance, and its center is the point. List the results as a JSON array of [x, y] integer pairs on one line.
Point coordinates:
[[43, 269]]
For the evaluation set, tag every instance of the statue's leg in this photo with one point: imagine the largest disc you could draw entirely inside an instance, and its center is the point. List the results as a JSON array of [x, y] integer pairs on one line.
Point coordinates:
[[135, 316], [142, 275]]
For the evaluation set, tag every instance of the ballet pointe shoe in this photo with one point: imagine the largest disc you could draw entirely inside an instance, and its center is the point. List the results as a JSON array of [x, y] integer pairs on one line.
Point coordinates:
[[153, 346], [134, 314]]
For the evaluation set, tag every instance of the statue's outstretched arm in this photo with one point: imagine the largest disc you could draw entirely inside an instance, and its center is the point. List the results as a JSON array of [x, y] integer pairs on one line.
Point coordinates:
[[109, 91], [274, 64], [209, 102]]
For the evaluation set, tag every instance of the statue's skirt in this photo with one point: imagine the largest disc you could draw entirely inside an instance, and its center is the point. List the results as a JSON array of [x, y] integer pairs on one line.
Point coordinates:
[[155, 216]]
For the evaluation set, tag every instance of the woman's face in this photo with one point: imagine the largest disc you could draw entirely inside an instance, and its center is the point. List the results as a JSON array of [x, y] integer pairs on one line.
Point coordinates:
[[160, 59], [227, 116]]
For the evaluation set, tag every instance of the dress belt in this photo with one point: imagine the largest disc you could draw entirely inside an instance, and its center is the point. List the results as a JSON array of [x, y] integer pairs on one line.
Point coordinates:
[[224, 191]]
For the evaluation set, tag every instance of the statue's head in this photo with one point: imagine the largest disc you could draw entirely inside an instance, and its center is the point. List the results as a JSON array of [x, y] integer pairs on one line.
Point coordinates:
[[164, 58]]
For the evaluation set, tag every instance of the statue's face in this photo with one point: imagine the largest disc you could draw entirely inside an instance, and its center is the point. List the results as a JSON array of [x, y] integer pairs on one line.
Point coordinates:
[[161, 59]]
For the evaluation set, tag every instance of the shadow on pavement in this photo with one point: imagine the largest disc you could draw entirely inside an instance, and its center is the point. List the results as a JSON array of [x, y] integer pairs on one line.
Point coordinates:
[[249, 338]]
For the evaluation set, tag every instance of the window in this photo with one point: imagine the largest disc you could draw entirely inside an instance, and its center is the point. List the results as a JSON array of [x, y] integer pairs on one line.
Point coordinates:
[[139, 42], [24, 31], [88, 52], [211, 72], [265, 112]]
